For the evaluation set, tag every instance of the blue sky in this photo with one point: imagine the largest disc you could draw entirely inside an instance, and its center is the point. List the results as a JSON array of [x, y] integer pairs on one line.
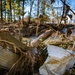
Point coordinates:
[[72, 4], [69, 2], [58, 3]]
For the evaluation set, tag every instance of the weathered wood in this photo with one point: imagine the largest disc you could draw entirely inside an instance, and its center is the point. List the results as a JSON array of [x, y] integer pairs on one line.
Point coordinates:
[[5, 35]]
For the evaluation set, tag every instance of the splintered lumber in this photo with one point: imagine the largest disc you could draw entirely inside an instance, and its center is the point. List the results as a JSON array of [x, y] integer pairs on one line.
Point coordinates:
[[5, 35], [41, 38]]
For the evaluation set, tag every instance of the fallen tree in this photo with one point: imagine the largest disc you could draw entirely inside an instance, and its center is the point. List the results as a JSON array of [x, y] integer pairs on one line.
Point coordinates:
[[41, 38], [5, 35], [25, 61]]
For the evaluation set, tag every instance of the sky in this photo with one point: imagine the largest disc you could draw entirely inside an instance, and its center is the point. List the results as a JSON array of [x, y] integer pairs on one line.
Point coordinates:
[[72, 5], [58, 3], [69, 2]]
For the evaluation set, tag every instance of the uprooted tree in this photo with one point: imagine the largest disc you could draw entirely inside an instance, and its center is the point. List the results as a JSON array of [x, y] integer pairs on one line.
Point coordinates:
[[25, 61]]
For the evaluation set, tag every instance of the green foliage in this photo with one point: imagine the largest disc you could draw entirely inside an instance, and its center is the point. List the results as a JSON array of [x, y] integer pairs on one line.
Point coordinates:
[[7, 6], [13, 5], [18, 8]]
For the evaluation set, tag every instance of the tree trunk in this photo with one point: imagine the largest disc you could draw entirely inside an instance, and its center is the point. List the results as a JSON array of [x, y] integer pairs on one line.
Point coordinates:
[[41, 38], [43, 7], [32, 2], [38, 8], [19, 10], [14, 14], [10, 12], [5, 35], [5, 11], [1, 13], [23, 9]]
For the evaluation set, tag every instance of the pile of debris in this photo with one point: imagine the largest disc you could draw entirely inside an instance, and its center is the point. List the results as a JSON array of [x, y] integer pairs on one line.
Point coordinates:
[[24, 59]]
